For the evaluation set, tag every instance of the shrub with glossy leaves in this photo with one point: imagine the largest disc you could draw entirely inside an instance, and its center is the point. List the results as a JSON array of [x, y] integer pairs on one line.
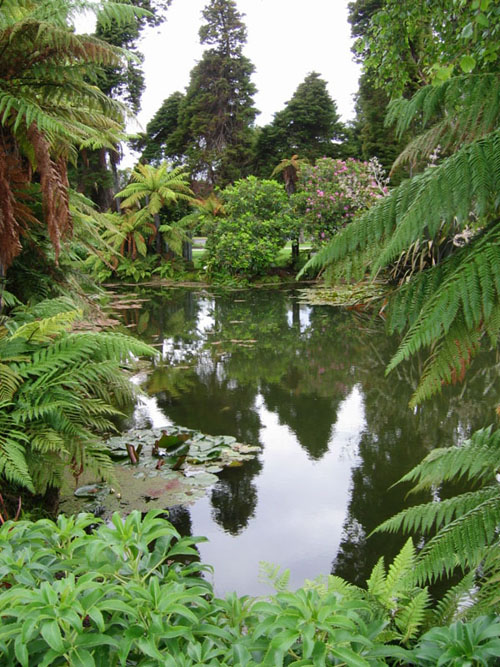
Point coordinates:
[[258, 223]]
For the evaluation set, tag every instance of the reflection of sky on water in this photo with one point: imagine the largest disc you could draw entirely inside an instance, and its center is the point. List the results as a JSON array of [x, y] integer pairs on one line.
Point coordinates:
[[300, 511], [336, 433]]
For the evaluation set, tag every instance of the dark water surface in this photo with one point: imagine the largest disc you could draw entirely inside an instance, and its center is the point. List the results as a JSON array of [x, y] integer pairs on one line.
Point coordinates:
[[308, 385]]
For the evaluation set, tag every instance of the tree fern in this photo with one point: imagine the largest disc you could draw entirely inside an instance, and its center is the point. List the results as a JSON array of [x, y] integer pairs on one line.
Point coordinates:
[[62, 391], [448, 306], [462, 530]]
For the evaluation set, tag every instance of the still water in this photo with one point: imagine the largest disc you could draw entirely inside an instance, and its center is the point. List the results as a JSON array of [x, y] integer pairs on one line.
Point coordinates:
[[307, 383]]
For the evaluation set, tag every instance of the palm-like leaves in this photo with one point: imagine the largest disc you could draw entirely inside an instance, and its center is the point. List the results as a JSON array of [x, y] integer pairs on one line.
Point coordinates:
[[49, 108], [58, 390], [452, 304], [464, 528], [156, 187]]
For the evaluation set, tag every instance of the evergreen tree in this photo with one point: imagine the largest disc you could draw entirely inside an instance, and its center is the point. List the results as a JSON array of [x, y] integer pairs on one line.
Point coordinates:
[[157, 143], [309, 126], [216, 116], [374, 138], [97, 175]]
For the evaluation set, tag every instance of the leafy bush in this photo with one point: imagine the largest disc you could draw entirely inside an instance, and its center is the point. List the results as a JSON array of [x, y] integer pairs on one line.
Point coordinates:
[[133, 593], [58, 389], [334, 191], [257, 226]]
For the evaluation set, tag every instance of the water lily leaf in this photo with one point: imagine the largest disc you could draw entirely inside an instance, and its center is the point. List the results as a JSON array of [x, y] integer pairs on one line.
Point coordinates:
[[90, 490], [171, 442]]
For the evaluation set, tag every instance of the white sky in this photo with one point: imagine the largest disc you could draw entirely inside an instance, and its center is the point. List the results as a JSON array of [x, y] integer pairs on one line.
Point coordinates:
[[287, 39]]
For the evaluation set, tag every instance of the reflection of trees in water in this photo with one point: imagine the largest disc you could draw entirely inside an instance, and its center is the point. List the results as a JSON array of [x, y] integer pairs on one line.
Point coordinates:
[[395, 440], [180, 517], [310, 417], [304, 370], [234, 498]]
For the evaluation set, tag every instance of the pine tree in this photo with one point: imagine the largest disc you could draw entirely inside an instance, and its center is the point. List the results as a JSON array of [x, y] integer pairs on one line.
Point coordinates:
[[309, 126], [217, 113], [158, 142]]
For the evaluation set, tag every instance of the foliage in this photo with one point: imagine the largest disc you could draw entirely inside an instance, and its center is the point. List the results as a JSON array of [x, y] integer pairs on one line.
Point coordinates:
[[308, 125], [157, 188], [58, 391], [156, 142], [473, 643], [404, 44], [448, 307], [49, 108], [256, 226], [131, 593], [215, 116], [462, 529], [335, 191]]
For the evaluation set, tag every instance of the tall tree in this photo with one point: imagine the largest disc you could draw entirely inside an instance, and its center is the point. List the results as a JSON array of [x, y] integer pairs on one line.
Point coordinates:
[[217, 113], [157, 143], [374, 138], [49, 109], [124, 81], [309, 126]]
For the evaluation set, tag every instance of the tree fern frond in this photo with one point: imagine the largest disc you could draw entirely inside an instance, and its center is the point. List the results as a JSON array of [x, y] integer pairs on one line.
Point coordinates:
[[470, 104], [462, 543], [376, 583], [13, 444], [401, 569], [10, 381], [434, 515], [448, 607], [410, 618], [466, 183], [475, 459], [43, 330]]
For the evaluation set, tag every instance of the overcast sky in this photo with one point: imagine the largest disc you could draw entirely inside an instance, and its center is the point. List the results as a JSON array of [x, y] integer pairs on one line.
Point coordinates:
[[287, 39]]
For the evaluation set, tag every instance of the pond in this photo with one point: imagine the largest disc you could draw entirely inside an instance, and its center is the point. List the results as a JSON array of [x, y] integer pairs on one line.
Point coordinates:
[[307, 384]]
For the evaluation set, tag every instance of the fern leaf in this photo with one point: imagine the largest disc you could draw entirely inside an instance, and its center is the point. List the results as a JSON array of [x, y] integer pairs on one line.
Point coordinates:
[[411, 616], [448, 606]]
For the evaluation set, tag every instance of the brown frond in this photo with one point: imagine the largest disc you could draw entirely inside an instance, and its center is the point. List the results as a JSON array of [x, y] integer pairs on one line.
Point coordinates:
[[54, 185]]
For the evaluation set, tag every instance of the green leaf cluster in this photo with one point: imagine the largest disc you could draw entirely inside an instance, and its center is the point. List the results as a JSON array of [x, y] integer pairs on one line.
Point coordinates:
[[256, 225], [81, 592], [59, 390]]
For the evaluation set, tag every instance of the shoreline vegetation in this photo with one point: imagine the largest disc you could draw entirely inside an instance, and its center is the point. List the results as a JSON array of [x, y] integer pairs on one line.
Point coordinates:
[[405, 197]]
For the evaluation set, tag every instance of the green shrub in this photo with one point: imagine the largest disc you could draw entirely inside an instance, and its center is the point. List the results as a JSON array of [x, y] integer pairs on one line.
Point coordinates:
[[82, 593], [257, 226]]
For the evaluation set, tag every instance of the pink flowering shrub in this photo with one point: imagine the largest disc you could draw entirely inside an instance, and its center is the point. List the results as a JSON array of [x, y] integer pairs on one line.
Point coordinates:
[[334, 191]]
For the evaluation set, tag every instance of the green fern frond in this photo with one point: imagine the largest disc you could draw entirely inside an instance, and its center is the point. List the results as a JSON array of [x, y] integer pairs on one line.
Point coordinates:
[[401, 569], [13, 444], [448, 606], [376, 584], [423, 518], [10, 381], [326, 584], [462, 543], [470, 105], [272, 574], [41, 331], [412, 616], [475, 459]]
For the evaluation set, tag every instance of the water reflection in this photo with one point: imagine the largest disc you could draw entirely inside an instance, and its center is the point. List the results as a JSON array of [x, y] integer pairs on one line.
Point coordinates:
[[309, 385]]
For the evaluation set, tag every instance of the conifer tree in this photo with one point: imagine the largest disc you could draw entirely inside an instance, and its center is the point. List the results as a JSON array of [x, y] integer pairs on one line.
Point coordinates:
[[309, 126], [217, 113]]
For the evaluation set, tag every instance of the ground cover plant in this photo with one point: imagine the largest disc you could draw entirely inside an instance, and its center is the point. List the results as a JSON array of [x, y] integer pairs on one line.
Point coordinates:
[[84, 593]]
